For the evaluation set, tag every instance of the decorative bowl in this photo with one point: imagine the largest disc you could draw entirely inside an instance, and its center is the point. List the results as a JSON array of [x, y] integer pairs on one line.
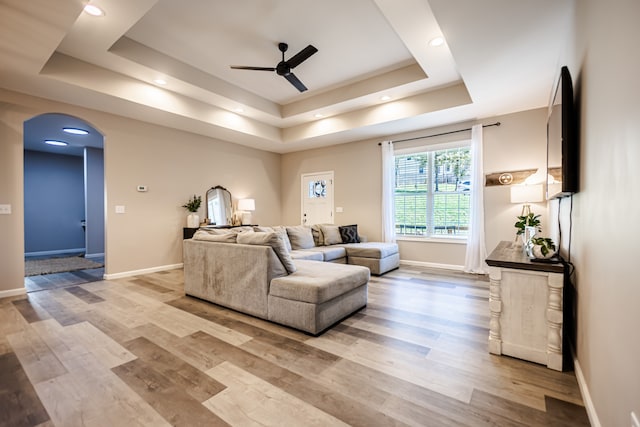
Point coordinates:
[[536, 252]]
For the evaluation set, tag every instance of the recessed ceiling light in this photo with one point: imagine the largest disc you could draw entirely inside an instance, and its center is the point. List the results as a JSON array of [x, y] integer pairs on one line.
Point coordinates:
[[318, 116], [160, 81], [93, 10], [435, 42], [56, 143], [75, 131], [385, 98]]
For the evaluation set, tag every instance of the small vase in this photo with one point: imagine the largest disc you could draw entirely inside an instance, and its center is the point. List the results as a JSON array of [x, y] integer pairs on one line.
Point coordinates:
[[193, 220], [529, 233]]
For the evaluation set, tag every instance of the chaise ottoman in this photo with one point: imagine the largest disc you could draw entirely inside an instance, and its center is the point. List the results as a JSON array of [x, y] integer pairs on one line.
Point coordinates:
[[317, 295], [379, 257]]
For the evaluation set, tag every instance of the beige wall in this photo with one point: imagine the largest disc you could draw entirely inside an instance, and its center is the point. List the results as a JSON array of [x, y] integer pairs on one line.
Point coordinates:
[[519, 143], [173, 164], [356, 182], [605, 71]]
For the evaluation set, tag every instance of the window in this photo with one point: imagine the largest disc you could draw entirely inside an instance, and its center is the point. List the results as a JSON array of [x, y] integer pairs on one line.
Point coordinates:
[[317, 189], [432, 192]]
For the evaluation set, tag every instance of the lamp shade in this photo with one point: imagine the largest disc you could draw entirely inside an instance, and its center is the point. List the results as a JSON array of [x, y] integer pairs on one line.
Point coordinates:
[[246, 205], [527, 193]]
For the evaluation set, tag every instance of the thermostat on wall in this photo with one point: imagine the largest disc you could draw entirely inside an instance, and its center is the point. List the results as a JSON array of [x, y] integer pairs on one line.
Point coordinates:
[[142, 188]]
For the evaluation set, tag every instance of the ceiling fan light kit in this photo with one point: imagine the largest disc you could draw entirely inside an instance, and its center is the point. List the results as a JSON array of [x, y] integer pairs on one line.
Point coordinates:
[[283, 68]]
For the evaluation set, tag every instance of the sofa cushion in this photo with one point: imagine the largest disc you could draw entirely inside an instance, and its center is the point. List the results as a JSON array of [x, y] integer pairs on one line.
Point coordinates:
[[272, 239], [349, 233], [222, 238], [282, 231], [300, 237], [331, 234], [377, 250], [307, 254], [329, 253], [315, 282]]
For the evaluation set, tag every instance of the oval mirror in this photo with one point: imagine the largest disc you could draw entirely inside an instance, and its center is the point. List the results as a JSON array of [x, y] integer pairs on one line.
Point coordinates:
[[219, 211]]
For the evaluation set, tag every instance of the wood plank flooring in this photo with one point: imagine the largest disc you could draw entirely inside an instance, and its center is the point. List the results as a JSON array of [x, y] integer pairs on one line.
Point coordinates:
[[138, 352], [60, 280]]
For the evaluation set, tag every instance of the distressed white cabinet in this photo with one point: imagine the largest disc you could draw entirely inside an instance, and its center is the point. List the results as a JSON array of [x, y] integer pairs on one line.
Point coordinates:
[[526, 304]]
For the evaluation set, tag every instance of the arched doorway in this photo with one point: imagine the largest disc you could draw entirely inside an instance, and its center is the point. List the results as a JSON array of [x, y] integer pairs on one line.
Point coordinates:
[[63, 202]]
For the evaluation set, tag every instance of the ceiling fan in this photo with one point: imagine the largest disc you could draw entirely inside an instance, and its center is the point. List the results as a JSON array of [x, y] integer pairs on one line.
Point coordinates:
[[284, 67]]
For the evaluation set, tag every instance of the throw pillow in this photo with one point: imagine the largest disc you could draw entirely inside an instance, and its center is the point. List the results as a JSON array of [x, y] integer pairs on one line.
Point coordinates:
[[269, 239], [349, 233], [212, 230], [300, 237], [282, 232], [220, 230], [331, 234], [318, 238], [209, 237]]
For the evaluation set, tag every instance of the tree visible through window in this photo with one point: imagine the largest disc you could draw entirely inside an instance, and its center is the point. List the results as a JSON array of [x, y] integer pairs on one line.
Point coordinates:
[[432, 192]]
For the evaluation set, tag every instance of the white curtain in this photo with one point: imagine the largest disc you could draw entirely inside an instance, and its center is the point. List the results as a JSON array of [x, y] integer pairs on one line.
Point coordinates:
[[476, 248], [388, 187]]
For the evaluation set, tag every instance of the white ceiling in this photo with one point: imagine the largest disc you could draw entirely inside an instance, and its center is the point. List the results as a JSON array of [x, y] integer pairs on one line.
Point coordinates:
[[500, 56]]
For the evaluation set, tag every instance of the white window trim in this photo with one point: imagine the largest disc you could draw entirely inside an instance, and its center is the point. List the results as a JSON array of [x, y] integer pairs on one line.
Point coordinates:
[[422, 149], [458, 240]]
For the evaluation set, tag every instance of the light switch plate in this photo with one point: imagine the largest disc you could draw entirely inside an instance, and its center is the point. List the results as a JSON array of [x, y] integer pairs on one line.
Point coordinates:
[[141, 188], [5, 209], [339, 209], [120, 209]]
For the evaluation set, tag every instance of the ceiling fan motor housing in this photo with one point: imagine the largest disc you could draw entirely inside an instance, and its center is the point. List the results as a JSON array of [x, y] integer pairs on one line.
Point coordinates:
[[282, 69]]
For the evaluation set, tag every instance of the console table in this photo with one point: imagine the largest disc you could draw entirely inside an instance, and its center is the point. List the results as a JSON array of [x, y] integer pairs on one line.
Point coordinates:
[[188, 232], [526, 300]]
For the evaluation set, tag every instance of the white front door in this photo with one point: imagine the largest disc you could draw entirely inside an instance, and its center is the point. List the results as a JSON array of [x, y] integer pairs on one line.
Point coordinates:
[[317, 198]]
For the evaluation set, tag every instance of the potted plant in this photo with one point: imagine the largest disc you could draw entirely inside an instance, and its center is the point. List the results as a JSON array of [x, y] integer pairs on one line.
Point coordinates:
[[193, 220], [541, 248], [527, 226]]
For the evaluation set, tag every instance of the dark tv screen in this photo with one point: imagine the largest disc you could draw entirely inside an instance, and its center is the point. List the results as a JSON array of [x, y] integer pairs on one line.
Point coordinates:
[[562, 144]]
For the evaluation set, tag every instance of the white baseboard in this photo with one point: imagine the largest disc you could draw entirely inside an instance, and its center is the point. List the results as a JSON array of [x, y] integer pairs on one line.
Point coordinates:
[[586, 396], [13, 292], [143, 271], [89, 256], [433, 265], [56, 252]]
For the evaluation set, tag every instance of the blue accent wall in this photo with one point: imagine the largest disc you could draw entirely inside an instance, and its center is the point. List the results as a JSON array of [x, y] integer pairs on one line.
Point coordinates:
[[53, 202], [94, 195]]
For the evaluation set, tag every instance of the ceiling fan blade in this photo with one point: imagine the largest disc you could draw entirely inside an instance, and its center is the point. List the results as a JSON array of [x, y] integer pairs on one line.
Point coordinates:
[[242, 67], [294, 81], [301, 56]]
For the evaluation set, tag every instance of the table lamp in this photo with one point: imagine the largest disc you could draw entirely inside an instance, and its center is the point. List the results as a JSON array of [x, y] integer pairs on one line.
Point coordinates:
[[246, 206]]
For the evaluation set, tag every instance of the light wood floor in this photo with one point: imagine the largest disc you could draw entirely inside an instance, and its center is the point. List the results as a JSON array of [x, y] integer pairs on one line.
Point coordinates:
[[137, 352]]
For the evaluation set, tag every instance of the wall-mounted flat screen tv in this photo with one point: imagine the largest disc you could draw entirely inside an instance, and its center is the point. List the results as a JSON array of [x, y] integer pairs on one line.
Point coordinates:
[[562, 142]]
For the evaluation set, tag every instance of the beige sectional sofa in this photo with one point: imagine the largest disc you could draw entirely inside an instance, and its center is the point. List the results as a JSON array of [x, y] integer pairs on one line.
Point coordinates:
[[253, 272], [303, 277]]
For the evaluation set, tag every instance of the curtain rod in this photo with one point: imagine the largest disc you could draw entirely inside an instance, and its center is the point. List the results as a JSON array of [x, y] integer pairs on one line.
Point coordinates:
[[440, 134]]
